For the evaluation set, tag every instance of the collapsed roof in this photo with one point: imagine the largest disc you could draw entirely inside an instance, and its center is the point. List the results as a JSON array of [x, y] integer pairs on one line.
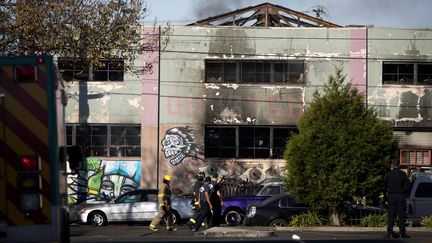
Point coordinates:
[[264, 15]]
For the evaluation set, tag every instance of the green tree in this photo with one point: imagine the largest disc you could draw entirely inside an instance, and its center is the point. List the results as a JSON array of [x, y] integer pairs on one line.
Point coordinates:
[[342, 149], [78, 29]]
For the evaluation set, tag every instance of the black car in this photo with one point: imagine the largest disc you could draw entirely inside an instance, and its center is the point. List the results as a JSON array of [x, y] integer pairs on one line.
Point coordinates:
[[355, 212], [275, 211]]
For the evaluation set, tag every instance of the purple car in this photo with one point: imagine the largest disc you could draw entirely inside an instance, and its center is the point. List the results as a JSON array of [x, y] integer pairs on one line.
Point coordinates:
[[235, 207]]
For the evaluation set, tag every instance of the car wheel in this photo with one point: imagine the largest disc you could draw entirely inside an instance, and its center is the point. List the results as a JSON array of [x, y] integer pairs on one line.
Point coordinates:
[[175, 216], [278, 223], [233, 217], [98, 218]]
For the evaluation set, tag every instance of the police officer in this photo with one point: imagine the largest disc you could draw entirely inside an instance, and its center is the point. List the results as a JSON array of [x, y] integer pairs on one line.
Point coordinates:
[[397, 185], [195, 201], [164, 198], [204, 203], [216, 200]]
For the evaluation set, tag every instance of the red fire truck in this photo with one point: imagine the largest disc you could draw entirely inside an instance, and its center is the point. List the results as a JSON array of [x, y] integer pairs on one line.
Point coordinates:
[[33, 194]]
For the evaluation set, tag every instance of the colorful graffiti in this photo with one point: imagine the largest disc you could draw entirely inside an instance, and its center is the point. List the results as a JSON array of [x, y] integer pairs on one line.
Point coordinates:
[[103, 180], [179, 143]]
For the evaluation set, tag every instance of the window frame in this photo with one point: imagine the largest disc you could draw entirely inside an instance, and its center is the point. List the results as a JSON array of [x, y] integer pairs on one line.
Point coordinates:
[[86, 136], [396, 74], [245, 144], [254, 71], [91, 73]]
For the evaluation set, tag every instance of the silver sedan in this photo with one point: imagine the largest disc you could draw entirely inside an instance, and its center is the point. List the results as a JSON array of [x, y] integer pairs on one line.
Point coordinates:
[[137, 205]]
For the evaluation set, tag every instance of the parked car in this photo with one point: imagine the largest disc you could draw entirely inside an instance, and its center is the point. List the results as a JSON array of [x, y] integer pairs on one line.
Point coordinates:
[[137, 205], [355, 212], [419, 202], [235, 207], [275, 211]]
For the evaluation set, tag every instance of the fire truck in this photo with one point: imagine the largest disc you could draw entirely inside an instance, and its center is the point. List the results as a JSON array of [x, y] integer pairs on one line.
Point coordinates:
[[33, 190]]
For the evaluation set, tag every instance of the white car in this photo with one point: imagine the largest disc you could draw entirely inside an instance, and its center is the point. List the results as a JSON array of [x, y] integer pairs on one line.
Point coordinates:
[[137, 205]]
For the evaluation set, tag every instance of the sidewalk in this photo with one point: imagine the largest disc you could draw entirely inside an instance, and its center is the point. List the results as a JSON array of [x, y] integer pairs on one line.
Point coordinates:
[[243, 231]]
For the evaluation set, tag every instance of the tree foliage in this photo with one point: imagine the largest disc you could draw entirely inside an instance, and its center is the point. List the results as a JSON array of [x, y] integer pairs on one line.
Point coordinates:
[[342, 149], [82, 29]]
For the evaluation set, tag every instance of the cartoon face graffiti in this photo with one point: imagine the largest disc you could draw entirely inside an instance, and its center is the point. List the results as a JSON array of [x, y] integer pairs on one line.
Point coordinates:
[[178, 144]]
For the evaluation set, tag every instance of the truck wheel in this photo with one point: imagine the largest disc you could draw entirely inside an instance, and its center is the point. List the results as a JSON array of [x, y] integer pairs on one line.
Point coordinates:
[[278, 223], [233, 217], [98, 218]]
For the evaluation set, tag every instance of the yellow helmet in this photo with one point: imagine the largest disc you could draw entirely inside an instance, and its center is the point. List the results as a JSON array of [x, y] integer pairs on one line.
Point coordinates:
[[167, 177]]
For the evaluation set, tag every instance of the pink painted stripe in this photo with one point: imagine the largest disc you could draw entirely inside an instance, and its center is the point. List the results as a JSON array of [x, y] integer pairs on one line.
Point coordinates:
[[150, 82], [357, 64]]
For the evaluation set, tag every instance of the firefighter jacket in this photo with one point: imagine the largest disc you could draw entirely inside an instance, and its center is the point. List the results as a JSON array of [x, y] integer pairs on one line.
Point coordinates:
[[164, 195]]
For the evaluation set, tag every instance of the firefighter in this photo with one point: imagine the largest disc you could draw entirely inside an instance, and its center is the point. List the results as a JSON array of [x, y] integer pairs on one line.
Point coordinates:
[[164, 197], [195, 201]]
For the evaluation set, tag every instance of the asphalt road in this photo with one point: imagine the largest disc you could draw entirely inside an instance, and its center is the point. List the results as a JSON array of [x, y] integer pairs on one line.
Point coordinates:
[[141, 233]]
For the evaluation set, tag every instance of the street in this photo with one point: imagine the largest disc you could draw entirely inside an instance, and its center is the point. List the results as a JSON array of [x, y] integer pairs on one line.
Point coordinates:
[[141, 233]]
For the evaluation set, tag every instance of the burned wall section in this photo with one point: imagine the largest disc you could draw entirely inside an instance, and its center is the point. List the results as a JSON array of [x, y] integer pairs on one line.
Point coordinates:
[[399, 86], [258, 105]]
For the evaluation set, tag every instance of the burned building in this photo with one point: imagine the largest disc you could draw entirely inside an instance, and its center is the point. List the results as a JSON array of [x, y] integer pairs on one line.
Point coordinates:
[[226, 92]]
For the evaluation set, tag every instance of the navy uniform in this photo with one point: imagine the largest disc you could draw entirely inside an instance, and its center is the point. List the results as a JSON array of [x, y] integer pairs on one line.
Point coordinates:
[[216, 201], [204, 203], [397, 185]]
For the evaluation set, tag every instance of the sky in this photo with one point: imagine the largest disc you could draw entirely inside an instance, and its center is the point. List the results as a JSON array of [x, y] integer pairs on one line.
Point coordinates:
[[378, 13]]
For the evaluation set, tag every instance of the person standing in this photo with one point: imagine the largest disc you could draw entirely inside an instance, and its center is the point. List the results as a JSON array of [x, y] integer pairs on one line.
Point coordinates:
[[195, 201], [216, 200], [164, 198], [397, 186], [204, 204]]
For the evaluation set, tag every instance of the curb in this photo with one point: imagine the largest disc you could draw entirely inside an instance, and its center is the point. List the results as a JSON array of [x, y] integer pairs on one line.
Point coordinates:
[[245, 232], [236, 232], [350, 229]]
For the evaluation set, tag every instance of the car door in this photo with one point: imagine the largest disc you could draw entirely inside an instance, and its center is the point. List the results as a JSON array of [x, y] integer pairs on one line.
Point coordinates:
[[423, 200], [149, 205], [126, 207], [290, 207]]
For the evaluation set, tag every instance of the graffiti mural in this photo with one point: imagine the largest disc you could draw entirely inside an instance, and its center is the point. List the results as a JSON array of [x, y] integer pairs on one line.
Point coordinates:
[[103, 180], [179, 143]]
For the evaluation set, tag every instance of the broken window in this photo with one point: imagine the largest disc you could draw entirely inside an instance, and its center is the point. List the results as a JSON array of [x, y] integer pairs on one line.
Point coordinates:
[[424, 73], [106, 140], [253, 71], [254, 142], [220, 71], [105, 70], [280, 137], [288, 72], [125, 141], [220, 142], [407, 73], [246, 141]]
